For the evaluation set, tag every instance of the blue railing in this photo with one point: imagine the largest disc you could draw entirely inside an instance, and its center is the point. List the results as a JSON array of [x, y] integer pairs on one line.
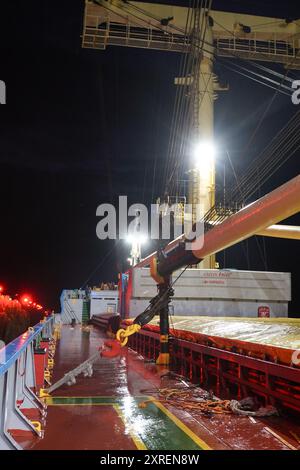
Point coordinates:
[[18, 398], [15, 348]]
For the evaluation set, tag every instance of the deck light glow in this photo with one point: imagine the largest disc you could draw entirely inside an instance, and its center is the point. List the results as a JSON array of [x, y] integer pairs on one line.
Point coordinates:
[[204, 155], [136, 238]]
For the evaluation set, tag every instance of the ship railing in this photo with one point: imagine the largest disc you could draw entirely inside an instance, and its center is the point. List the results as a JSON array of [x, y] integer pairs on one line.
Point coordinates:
[[276, 50], [21, 411], [105, 33], [99, 31]]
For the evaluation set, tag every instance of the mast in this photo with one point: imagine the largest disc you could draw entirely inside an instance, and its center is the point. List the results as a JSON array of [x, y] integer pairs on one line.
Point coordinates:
[[201, 194]]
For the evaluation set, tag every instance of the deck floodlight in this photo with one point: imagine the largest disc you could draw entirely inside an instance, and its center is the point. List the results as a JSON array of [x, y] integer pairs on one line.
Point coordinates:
[[204, 155], [136, 238]]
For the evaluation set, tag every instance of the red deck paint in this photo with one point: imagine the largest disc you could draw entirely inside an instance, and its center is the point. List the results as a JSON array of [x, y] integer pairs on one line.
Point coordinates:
[[100, 427], [97, 427]]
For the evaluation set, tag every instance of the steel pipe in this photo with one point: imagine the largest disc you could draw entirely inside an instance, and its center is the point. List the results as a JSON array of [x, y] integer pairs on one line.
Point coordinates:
[[275, 206], [290, 232], [253, 219]]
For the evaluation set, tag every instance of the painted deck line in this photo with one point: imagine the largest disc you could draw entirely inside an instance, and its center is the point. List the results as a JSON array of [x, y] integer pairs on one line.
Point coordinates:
[[181, 425], [134, 436], [71, 401], [153, 427]]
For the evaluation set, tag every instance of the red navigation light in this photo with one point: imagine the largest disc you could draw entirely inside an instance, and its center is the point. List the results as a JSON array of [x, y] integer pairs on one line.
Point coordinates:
[[26, 299]]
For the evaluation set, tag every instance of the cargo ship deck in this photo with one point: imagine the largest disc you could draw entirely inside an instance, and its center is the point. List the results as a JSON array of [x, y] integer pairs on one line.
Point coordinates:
[[104, 412]]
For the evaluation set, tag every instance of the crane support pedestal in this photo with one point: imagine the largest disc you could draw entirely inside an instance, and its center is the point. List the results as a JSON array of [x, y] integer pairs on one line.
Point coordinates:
[[164, 291]]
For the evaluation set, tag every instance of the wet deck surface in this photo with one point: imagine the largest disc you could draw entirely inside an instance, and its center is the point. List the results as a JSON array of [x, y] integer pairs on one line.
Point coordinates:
[[102, 412]]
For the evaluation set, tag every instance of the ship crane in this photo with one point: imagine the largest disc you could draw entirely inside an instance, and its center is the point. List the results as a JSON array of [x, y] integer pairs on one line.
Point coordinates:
[[206, 34], [279, 204], [212, 33]]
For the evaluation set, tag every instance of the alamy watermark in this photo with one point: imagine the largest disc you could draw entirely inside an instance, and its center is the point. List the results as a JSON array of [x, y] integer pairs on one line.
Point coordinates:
[[163, 222], [2, 92], [296, 93]]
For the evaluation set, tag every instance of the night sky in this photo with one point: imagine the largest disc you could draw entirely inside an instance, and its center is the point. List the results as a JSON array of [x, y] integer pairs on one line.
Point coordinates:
[[82, 127]]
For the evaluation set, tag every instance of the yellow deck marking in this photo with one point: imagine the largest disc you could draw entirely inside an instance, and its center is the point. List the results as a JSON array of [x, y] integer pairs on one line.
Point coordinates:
[[180, 424], [49, 400], [136, 439], [113, 397], [79, 404], [134, 436]]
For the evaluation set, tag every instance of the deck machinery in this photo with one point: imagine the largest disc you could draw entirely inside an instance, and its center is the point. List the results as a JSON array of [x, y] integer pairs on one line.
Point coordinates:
[[271, 373], [213, 33]]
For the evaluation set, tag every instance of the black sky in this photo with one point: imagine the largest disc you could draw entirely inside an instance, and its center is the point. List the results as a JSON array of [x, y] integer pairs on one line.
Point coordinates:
[[81, 127]]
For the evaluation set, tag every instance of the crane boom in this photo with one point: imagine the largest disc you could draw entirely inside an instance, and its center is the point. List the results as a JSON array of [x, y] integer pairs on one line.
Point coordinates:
[[279, 204], [162, 27]]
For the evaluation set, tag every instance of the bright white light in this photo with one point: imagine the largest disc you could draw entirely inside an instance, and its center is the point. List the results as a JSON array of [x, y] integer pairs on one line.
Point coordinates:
[[136, 238], [204, 155]]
